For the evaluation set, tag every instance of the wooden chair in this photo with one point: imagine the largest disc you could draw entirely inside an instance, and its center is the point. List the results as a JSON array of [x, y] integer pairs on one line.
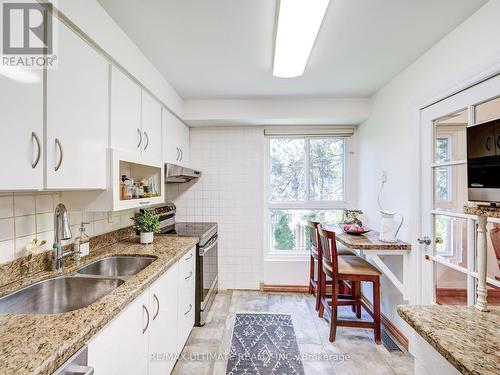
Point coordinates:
[[315, 264], [346, 268]]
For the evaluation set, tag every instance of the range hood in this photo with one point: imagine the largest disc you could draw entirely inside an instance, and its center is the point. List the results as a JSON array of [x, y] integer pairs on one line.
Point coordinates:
[[177, 174]]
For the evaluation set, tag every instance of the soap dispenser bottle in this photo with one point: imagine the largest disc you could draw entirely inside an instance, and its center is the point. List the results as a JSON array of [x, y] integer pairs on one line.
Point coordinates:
[[82, 242]]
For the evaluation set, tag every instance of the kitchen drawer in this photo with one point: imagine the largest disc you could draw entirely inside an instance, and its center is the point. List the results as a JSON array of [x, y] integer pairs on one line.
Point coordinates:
[[187, 263]]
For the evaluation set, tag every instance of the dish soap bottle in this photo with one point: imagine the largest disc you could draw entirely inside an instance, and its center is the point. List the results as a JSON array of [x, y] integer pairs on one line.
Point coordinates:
[[82, 242]]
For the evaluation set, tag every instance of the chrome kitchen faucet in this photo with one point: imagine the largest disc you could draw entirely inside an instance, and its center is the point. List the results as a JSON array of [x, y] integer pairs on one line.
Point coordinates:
[[62, 231]]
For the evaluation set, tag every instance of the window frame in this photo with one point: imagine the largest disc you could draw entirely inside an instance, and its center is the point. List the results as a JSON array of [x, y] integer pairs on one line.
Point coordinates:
[[348, 191]]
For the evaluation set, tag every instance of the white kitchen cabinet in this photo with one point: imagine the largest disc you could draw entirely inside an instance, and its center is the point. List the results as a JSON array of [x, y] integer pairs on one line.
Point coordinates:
[[151, 127], [77, 116], [185, 318], [122, 346], [151, 332], [163, 330], [21, 129], [126, 134], [175, 140]]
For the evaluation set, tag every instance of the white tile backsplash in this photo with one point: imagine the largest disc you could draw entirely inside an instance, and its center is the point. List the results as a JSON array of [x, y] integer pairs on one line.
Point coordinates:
[[6, 251], [26, 216], [25, 225], [44, 203], [229, 193], [6, 229], [6, 206], [24, 204]]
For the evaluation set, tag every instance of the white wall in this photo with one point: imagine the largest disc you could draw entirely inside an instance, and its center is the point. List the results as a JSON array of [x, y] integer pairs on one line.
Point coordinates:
[[388, 140], [230, 193], [91, 17], [289, 111]]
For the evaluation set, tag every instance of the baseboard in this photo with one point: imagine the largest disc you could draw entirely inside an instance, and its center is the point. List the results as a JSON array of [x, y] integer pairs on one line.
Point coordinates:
[[285, 288], [398, 335]]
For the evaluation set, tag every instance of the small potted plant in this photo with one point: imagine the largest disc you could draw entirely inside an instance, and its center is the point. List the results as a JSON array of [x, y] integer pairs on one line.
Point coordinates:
[[147, 223]]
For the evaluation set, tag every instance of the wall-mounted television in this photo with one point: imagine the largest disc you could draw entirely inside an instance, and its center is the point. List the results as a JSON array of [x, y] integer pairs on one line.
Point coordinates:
[[483, 162]]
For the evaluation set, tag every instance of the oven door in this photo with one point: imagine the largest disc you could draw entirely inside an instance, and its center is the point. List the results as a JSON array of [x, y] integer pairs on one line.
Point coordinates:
[[208, 280]]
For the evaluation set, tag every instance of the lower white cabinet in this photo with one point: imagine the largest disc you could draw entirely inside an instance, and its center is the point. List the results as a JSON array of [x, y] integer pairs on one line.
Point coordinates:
[[163, 296], [185, 316], [122, 346], [150, 333]]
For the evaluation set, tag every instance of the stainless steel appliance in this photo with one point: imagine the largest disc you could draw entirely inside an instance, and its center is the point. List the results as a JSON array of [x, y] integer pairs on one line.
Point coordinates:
[[206, 256], [177, 173], [483, 162]]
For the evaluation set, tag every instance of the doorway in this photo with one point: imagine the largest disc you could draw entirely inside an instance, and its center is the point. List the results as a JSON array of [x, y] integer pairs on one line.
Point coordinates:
[[448, 254]]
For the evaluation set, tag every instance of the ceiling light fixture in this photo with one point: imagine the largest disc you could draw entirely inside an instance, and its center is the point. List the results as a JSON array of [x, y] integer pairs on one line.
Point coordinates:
[[298, 26]]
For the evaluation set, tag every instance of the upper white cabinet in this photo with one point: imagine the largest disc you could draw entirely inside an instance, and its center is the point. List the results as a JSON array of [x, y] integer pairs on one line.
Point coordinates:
[[21, 130], [151, 127], [135, 118], [175, 140], [77, 116], [126, 132]]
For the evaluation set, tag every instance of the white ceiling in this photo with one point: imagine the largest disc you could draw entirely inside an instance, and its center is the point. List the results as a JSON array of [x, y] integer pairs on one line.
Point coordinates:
[[224, 48]]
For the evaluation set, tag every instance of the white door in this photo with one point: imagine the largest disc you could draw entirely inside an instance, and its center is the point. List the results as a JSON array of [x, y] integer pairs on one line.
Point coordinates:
[[77, 116], [449, 261], [151, 127], [122, 346], [21, 129], [126, 134], [163, 331]]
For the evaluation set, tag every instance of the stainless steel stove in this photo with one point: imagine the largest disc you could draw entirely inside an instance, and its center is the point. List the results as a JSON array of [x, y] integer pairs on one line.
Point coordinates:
[[206, 256]]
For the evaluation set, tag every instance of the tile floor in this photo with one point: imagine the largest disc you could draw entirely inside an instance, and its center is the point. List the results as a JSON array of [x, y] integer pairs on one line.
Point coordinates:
[[354, 351]]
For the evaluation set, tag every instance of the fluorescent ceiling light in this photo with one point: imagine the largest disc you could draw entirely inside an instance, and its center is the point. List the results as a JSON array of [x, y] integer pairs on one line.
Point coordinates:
[[298, 25]]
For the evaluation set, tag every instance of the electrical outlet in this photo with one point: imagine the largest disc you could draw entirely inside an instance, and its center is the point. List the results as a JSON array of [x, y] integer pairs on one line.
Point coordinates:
[[384, 177]]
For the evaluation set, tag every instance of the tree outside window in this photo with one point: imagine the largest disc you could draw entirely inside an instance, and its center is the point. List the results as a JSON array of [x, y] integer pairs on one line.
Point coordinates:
[[305, 172]]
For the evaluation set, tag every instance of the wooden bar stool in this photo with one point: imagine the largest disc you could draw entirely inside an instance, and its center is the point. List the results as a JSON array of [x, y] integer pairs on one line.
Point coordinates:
[[346, 268], [315, 264]]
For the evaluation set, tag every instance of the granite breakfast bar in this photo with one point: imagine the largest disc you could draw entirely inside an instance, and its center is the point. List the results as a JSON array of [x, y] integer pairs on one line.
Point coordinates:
[[39, 344], [465, 337]]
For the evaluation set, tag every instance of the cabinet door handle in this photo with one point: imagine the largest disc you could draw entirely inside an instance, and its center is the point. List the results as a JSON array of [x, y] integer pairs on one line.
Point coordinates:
[[189, 257], [488, 144], [178, 154], [189, 276], [61, 154], [140, 137], [182, 154], [147, 140], [147, 315], [34, 136], [157, 306], [190, 307], [147, 202]]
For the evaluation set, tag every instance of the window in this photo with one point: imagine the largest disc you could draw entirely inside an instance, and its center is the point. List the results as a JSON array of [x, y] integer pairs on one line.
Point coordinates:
[[307, 181], [443, 174]]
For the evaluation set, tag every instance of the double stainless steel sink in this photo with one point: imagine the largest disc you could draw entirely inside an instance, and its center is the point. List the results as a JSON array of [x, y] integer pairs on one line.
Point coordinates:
[[68, 293]]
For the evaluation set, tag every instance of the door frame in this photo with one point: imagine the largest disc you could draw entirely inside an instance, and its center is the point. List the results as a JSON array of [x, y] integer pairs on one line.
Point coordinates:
[[466, 97]]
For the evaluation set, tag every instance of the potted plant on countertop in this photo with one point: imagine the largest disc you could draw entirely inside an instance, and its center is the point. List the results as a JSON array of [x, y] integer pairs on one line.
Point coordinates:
[[147, 223]]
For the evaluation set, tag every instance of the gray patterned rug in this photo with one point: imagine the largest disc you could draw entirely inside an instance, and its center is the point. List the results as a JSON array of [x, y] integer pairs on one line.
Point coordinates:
[[264, 344]]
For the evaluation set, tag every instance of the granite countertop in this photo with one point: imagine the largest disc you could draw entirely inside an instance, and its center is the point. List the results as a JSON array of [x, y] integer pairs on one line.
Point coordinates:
[[39, 344], [481, 210], [367, 241], [466, 337]]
